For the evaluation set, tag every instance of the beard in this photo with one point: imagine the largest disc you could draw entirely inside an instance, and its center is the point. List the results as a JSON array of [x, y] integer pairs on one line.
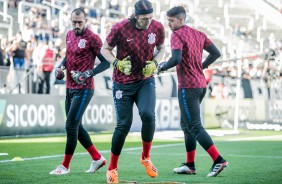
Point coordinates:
[[78, 32], [142, 27]]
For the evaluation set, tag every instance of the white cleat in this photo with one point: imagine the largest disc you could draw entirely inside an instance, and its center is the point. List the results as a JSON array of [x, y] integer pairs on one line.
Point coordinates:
[[217, 168], [60, 170], [184, 169], [96, 164]]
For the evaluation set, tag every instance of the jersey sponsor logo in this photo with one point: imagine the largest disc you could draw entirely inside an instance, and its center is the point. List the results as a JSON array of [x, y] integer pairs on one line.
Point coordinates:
[[151, 38], [118, 94], [128, 40], [82, 43]]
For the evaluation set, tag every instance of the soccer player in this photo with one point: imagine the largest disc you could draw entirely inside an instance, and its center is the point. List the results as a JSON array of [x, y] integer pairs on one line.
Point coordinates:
[[187, 46], [133, 81], [82, 48]]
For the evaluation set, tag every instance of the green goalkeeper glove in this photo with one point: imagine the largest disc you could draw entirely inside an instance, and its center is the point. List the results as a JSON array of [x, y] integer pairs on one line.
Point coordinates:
[[123, 65], [149, 68]]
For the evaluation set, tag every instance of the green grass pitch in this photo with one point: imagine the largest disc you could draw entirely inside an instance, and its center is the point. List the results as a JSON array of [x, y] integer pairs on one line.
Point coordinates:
[[253, 156]]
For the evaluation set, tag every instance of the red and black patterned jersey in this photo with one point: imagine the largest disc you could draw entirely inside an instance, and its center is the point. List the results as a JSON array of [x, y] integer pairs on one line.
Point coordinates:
[[138, 44], [81, 53], [191, 42]]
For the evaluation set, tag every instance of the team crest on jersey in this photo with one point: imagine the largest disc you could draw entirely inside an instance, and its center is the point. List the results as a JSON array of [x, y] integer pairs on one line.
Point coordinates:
[[151, 38], [118, 94], [82, 43]]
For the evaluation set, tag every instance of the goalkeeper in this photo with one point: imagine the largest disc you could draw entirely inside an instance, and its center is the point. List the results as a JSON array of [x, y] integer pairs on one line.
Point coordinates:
[[136, 39], [82, 47]]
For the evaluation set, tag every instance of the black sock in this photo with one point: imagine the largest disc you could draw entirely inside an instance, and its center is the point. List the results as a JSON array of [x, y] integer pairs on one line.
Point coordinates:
[[191, 164], [219, 159]]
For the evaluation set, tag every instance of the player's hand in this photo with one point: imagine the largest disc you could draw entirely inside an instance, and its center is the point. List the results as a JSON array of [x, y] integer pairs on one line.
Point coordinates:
[[149, 68], [123, 65], [59, 73], [80, 77], [161, 67]]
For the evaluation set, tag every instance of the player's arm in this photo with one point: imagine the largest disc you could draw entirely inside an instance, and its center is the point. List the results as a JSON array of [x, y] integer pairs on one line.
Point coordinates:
[[80, 77], [214, 54], [102, 66], [63, 63], [122, 65], [159, 53], [175, 59], [106, 51], [59, 71]]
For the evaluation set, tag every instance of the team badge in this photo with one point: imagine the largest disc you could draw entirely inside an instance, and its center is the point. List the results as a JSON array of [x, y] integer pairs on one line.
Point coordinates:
[[82, 43], [151, 38], [118, 94]]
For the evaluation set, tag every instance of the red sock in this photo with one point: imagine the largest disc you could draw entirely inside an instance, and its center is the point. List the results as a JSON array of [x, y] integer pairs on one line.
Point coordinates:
[[113, 162], [190, 156], [93, 152], [66, 161], [146, 149], [213, 152]]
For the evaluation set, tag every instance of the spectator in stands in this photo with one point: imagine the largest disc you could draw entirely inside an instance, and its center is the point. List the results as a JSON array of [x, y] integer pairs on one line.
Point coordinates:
[[187, 46], [219, 91], [208, 76], [113, 5], [1, 58], [5, 51], [136, 40], [18, 49], [83, 46], [45, 66]]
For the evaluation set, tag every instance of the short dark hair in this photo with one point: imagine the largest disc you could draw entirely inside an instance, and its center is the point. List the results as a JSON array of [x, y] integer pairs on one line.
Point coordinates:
[[143, 7], [78, 11], [177, 11]]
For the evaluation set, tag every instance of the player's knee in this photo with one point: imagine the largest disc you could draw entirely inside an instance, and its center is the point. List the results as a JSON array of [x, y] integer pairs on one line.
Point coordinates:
[[123, 129], [147, 116], [195, 129]]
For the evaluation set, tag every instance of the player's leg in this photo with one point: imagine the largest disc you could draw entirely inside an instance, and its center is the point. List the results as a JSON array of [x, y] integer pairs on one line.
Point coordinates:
[[187, 167], [76, 103], [123, 101], [190, 106], [98, 160], [146, 102]]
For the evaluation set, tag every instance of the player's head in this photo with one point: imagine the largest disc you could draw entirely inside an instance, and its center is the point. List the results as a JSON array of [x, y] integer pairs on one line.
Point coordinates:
[[176, 17], [143, 13], [78, 19]]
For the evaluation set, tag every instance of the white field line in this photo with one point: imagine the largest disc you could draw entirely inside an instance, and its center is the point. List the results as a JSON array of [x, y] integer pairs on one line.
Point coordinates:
[[84, 153], [271, 137], [129, 151], [206, 155]]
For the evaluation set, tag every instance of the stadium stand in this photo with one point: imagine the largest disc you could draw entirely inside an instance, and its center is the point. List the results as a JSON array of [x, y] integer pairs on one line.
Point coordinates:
[[238, 29]]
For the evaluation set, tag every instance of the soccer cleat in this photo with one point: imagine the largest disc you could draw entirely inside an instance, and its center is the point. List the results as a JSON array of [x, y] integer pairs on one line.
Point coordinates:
[[217, 168], [96, 164], [60, 170], [112, 176], [150, 168], [184, 169]]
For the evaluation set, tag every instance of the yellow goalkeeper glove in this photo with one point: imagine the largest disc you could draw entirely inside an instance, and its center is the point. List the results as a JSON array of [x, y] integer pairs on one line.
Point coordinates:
[[149, 68], [123, 65]]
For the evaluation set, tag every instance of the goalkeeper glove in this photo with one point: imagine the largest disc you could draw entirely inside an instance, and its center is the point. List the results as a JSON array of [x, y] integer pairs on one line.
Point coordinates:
[[59, 73], [149, 68], [161, 67], [123, 65], [80, 77]]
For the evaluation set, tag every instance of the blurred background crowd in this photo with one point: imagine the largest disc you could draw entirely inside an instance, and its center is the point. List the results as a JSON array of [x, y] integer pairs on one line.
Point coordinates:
[[246, 35]]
